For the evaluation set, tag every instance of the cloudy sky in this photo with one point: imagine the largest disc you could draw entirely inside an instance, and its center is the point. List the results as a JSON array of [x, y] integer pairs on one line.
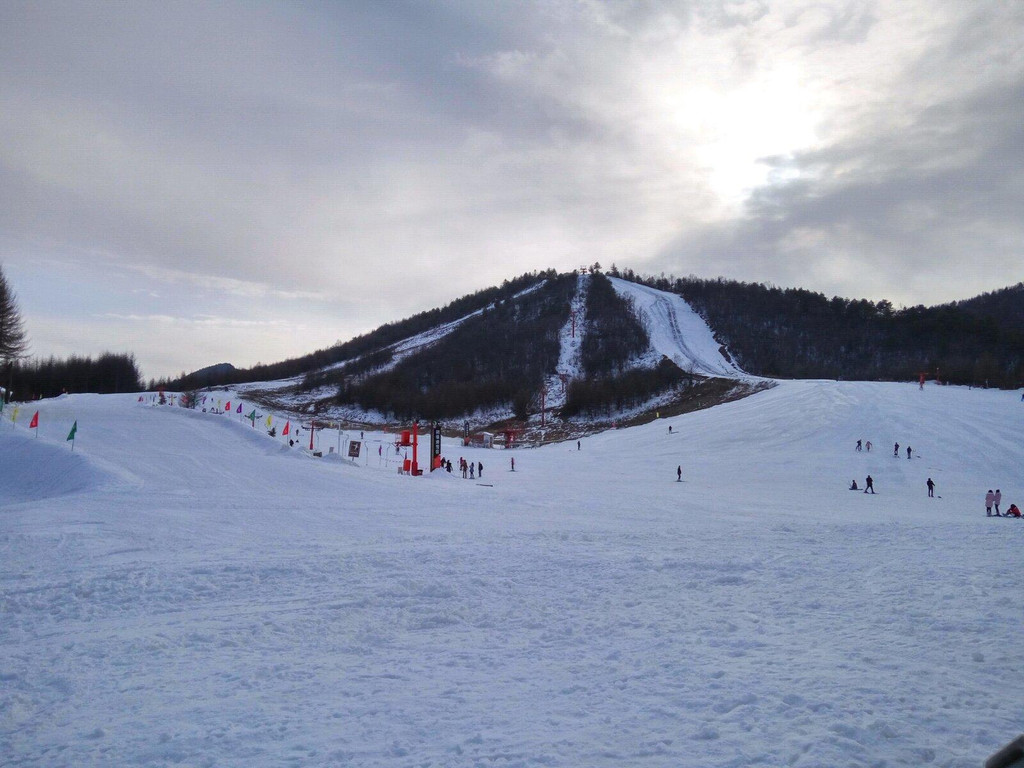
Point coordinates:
[[246, 182]]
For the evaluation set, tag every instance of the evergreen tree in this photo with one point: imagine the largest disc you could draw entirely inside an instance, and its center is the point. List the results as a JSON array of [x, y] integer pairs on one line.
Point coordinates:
[[13, 343]]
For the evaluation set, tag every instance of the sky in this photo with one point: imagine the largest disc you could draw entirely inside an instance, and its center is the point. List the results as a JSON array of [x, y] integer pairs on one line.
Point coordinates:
[[247, 182]]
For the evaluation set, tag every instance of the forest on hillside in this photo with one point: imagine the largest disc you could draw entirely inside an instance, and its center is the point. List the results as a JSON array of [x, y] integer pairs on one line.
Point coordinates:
[[385, 335], [796, 333], [495, 359]]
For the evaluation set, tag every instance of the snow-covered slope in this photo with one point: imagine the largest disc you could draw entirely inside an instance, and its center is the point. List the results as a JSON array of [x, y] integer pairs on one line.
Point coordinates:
[[202, 594], [676, 331]]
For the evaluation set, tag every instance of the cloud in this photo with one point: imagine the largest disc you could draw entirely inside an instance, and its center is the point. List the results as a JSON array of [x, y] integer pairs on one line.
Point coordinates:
[[363, 161]]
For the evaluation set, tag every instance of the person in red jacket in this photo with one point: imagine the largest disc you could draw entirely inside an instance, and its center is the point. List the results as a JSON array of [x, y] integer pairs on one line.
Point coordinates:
[[1013, 511]]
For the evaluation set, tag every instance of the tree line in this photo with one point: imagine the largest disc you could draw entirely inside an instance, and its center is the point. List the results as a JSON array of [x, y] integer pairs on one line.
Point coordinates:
[[110, 373], [796, 333], [32, 379]]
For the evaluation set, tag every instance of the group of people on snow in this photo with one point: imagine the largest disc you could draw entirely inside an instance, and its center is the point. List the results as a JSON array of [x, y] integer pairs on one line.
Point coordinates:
[[862, 445], [992, 498], [469, 469], [992, 501]]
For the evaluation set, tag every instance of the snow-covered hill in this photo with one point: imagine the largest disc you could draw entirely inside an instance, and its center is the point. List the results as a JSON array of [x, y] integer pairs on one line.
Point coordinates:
[[185, 590], [675, 331]]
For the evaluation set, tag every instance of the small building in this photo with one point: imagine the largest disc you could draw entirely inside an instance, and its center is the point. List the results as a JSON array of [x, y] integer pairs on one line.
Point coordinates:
[[481, 440]]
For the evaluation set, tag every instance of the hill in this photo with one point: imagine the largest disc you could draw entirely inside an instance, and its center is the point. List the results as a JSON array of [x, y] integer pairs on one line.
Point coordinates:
[[591, 349]]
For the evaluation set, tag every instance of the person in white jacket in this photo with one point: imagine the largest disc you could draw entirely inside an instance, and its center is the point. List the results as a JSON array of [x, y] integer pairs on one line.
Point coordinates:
[[989, 500], [997, 497]]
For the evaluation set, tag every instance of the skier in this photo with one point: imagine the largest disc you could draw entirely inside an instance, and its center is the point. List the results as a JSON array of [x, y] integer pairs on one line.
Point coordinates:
[[1013, 511], [868, 446], [472, 467], [859, 446], [479, 469], [577, 445], [909, 451], [896, 450], [670, 429], [989, 498], [997, 498], [931, 488], [679, 473], [853, 485], [513, 460], [869, 485]]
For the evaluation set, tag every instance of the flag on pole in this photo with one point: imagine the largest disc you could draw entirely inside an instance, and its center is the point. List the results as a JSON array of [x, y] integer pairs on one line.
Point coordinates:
[[228, 406], [34, 424], [14, 414], [71, 434], [270, 420], [287, 428], [239, 408]]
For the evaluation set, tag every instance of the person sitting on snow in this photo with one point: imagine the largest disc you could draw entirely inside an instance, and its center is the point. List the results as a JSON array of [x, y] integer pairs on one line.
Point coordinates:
[[853, 486], [1013, 511]]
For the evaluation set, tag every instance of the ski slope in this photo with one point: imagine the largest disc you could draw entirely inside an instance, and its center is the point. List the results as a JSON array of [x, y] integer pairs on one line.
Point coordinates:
[[185, 590], [676, 331]]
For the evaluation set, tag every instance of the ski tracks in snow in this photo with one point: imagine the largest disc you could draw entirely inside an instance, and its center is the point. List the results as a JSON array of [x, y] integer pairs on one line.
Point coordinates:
[[678, 332]]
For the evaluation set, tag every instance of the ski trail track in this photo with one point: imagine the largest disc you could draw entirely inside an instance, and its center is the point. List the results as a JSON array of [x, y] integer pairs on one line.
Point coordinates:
[[240, 603], [677, 331]]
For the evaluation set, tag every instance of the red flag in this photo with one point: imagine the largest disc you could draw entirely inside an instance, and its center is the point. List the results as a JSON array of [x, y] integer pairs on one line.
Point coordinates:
[[227, 408], [287, 428], [35, 421]]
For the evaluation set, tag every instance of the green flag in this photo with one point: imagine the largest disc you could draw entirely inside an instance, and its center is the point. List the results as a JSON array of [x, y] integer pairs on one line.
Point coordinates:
[[71, 434]]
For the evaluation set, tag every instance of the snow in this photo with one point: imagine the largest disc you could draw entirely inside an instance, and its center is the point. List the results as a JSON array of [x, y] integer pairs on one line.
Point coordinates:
[[676, 331], [185, 590]]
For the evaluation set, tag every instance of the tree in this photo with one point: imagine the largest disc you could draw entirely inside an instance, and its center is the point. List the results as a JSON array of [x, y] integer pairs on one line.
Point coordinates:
[[13, 344]]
